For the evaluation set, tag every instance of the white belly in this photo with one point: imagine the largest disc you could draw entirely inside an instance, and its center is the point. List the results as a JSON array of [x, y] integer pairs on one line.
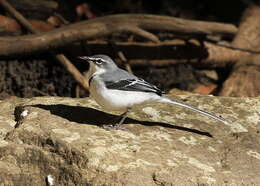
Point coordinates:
[[117, 99]]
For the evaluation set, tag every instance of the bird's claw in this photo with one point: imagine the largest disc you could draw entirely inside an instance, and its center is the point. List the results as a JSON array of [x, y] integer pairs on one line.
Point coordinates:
[[113, 127]]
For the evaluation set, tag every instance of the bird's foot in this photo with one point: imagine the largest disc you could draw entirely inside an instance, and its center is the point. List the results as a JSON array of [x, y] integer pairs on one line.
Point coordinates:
[[113, 127], [118, 125]]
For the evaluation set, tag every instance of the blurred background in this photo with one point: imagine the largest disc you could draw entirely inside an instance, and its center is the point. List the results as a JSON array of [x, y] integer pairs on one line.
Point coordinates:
[[40, 74]]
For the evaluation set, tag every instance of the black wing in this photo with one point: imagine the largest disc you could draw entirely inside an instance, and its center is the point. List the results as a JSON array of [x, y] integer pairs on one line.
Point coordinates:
[[133, 85]]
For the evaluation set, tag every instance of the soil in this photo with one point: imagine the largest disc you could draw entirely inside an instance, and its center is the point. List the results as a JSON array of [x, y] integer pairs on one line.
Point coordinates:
[[30, 78]]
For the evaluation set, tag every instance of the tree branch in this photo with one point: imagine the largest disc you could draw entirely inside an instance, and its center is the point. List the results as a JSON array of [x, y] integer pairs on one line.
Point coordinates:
[[102, 26]]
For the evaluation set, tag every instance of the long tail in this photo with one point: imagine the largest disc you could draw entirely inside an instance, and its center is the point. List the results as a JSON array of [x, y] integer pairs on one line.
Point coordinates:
[[172, 101]]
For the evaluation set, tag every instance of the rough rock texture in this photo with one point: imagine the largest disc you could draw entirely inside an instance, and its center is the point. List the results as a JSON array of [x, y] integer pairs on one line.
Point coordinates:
[[59, 141]]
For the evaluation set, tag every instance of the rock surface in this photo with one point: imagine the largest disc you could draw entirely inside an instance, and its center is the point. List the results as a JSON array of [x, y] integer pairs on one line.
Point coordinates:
[[53, 140]]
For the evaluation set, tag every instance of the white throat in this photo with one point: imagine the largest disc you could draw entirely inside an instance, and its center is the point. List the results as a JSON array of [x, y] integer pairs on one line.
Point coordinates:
[[93, 71]]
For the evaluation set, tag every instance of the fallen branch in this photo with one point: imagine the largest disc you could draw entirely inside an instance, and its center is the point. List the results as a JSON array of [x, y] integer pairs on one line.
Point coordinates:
[[138, 24]]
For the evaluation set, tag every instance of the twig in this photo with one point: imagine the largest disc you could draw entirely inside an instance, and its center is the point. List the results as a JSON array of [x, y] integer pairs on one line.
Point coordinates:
[[18, 16], [40, 92], [72, 70], [66, 22], [232, 47], [143, 33], [120, 55], [60, 57], [125, 61]]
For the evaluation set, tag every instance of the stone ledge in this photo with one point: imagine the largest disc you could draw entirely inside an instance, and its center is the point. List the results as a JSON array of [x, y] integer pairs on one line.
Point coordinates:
[[162, 144]]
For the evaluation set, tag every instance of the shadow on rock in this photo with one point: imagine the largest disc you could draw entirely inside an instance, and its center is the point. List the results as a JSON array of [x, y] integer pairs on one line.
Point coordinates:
[[86, 115]]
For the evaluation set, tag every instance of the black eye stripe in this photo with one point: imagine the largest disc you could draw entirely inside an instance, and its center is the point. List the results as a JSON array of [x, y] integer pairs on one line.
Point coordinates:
[[99, 61]]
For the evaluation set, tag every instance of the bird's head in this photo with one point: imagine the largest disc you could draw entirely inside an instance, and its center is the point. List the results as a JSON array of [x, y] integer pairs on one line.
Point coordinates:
[[99, 63]]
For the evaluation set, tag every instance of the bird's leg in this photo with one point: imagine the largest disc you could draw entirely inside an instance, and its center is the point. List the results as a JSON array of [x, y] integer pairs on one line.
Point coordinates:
[[123, 117], [117, 125]]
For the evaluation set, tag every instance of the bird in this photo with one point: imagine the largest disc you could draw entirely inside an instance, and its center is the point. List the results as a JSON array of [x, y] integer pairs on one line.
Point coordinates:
[[115, 89]]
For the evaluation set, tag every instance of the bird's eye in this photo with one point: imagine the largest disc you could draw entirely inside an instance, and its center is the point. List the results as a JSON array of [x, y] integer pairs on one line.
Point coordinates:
[[99, 62]]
